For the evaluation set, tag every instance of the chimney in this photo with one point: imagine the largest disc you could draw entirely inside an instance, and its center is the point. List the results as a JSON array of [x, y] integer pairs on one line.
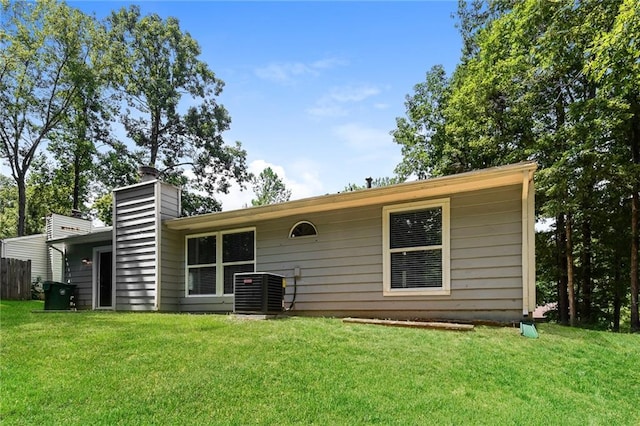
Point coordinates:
[[369, 180], [148, 173]]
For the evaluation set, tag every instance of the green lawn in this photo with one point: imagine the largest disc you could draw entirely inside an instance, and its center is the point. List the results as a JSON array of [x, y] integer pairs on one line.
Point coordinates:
[[114, 368]]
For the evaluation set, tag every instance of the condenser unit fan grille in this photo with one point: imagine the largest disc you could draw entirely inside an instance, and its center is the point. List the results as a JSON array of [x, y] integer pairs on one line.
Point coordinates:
[[258, 292]]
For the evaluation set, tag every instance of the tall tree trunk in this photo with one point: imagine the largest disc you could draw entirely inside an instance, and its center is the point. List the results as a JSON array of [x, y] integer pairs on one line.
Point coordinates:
[[617, 297], [635, 207], [586, 268], [155, 136], [76, 180], [22, 205], [570, 284], [635, 317], [561, 262]]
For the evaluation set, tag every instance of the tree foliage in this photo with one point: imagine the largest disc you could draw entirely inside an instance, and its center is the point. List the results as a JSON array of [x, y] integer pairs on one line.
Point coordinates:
[[47, 58], [269, 189], [556, 82], [64, 80], [375, 183], [159, 69]]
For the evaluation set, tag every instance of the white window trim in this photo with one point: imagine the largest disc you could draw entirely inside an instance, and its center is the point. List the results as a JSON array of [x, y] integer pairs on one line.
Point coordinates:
[[219, 264], [445, 289], [303, 236]]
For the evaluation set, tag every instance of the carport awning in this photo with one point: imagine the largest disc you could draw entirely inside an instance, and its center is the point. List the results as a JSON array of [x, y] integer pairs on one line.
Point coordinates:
[[100, 235]]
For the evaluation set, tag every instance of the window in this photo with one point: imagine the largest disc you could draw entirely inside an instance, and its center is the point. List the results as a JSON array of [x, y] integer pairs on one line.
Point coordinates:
[[416, 249], [303, 229], [213, 259]]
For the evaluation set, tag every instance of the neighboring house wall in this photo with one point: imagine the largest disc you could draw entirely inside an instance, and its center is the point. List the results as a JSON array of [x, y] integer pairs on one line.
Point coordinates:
[[137, 215], [59, 226], [341, 270], [30, 247]]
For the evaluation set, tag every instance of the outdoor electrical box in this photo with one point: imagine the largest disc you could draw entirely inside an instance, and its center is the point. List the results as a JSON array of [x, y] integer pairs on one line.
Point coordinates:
[[258, 293]]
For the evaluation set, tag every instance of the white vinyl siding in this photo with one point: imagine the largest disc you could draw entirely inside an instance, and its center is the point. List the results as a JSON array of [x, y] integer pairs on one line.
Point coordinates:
[[33, 248], [213, 258], [416, 249]]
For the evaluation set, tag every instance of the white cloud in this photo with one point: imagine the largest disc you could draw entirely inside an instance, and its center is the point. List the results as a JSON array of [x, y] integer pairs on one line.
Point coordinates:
[[286, 72], [352, 93], [360, 137], [328, 63], [327, 110], [332, 104], [305, 184]]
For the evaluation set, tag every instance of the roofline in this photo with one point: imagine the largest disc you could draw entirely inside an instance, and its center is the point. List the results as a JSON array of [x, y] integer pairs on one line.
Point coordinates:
[[24, 237], [90, 237], [147, 182], [451, 184]]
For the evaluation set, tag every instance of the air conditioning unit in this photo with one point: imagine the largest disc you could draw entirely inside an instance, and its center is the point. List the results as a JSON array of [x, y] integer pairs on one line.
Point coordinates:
[[258, 293]]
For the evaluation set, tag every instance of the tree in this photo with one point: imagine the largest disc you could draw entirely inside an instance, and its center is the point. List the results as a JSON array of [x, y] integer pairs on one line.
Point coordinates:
[[8, 207], [615, 66], [159, 70], [75, 144], [556, 82], [115, 168], [421, 133], [375, 183], [269, 189], [47, 56]]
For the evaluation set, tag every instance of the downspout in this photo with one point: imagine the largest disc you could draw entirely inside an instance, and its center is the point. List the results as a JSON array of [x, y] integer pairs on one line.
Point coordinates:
[[65, 262], [532, 244], [528, 244], [158, 248]]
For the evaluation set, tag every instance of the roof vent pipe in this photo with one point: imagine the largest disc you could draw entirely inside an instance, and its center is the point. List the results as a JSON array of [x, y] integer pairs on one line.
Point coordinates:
[[369, 180], [148, 173]]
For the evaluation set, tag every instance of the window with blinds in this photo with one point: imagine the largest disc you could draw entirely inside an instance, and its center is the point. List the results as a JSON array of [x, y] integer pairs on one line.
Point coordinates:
[[213, 259], [417, 248]]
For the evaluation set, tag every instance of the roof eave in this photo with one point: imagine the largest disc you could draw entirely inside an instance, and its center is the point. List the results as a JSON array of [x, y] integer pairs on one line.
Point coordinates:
[[104, 234], [451, 184]]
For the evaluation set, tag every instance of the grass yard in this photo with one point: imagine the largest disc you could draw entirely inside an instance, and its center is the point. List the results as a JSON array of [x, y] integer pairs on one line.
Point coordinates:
[[139, 369]]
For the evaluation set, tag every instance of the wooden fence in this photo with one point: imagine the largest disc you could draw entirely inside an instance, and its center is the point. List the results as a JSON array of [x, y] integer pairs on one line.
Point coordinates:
[[15, 279]]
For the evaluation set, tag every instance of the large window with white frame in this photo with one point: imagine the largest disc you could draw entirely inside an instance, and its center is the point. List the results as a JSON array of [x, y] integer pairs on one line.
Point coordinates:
[[416, 249], [213, 258]]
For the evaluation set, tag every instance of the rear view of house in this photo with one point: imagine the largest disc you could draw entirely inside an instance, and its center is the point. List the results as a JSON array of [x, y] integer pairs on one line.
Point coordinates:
[[455, 247]]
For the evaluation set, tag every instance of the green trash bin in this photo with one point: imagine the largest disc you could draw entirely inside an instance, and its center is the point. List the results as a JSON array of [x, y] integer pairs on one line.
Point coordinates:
[[57, 296]]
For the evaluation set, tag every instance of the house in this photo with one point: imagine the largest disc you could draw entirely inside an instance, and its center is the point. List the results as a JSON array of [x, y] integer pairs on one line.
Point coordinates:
[[46, 260], [454, 247]]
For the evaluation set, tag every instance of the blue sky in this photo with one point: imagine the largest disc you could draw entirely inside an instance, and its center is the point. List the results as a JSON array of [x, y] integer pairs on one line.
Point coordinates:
[[313, 88]]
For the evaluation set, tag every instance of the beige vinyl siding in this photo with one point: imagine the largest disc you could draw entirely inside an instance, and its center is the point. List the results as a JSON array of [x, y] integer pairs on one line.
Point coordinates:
[[172, 275], [341, 267], [81, 274], [219, 304], [169, 202], [31, 247], [134, 247]]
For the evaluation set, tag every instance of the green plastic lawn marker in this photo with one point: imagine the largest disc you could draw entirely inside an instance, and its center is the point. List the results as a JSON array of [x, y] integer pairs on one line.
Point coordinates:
[[528, 330]]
